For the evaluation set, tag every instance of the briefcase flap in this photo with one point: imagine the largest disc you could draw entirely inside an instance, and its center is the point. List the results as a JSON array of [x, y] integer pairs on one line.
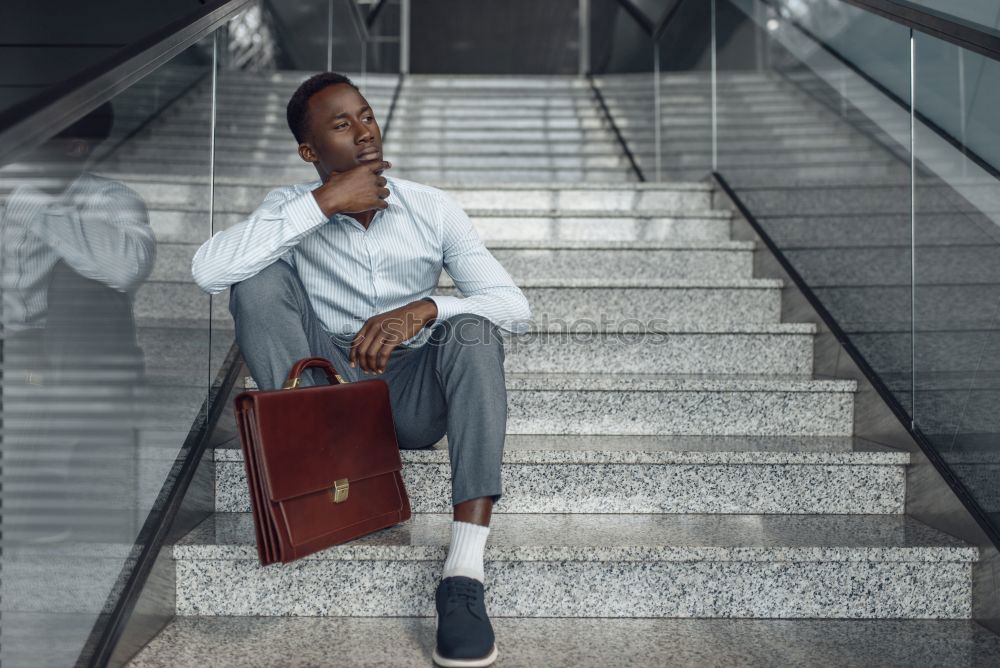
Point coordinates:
[[313, 436]]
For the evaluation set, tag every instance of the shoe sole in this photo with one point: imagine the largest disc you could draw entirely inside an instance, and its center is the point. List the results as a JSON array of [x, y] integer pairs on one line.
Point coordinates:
[[466, 663]]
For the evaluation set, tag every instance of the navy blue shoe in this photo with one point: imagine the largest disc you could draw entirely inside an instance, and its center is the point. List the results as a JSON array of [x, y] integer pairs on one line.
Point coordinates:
[[464, 633]]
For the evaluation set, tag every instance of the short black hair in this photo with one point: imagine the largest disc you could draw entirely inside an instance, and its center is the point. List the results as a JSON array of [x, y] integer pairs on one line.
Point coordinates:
[[298, 105]]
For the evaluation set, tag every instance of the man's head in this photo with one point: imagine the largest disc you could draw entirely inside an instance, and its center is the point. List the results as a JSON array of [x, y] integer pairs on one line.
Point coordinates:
[[333, 124]]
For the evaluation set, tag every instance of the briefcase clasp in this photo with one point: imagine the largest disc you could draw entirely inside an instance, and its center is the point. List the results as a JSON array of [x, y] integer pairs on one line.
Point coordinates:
[[293, 384], [339, 491]]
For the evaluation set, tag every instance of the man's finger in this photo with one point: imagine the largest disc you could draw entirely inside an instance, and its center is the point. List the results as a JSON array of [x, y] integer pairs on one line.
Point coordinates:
[[364, 352], [359, 338], [372, 353], [383, 357], [379, 166]]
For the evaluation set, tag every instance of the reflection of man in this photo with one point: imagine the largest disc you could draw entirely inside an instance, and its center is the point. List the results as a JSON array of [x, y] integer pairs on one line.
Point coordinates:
[[361, 254], [75, 246]]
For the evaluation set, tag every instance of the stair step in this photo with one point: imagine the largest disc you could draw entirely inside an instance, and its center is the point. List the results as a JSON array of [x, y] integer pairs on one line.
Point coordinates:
[[609, 302], [664, 350], [746, 348], [545, 259], [588, 565], [495, 175], [678, 404], [275, 123], [661, 301], [495, 226], [284, 152], [684, 643], [289, 167], [406, 112], [185, 192], [651, 474]]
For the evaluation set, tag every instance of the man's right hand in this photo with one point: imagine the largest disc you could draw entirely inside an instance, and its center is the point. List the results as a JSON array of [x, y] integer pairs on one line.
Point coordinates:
[[354, 191]]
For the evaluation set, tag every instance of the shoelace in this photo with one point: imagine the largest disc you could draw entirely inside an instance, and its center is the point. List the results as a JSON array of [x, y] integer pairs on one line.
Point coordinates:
[[459, 592]]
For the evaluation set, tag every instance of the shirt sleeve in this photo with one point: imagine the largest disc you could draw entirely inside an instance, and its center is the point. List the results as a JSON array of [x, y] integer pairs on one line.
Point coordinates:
[[487, 288], [268, 234], [107, 238]]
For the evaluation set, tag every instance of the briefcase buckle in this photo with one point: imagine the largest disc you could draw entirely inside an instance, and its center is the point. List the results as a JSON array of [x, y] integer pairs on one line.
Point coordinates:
[[294, 383], [339, 491]]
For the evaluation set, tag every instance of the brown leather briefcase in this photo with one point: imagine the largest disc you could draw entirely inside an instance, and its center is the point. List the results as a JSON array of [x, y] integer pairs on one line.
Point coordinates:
[[322, 463]]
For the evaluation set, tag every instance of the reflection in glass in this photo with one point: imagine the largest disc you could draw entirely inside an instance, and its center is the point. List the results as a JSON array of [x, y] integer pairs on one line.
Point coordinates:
[[820, 154], [957, 262], [75, 248], [105, 352]]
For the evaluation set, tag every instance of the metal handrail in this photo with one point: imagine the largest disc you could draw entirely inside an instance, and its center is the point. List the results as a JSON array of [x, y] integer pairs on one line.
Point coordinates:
[[966, 34], [25, 125]]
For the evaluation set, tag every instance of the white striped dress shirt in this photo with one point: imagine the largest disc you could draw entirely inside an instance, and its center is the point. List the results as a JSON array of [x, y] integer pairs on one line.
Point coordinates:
[[98, 226], [352, 274]]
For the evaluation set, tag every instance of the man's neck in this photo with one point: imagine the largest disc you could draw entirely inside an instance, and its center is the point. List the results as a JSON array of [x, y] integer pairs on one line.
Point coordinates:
[[365, 217]]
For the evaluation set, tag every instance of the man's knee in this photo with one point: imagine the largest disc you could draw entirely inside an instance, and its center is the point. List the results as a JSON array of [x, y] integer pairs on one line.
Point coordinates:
[[469, 329], [272, 284]]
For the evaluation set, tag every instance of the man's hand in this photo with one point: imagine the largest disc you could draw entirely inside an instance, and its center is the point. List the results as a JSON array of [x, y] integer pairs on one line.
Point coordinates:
[[382, 333], [354, 191]]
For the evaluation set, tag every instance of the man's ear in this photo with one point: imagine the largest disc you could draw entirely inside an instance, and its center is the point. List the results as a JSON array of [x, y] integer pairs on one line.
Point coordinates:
[[307, 153]]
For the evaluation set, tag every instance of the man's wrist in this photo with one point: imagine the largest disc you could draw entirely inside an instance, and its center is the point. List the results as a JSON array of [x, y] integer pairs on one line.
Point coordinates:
[[327, 203], [432, 311]]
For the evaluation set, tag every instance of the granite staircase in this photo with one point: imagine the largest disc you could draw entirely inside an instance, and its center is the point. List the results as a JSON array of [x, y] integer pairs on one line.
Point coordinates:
[[678, 486]]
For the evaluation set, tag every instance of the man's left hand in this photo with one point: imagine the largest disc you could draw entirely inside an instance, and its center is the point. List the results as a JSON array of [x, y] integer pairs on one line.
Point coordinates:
[[380, 334]]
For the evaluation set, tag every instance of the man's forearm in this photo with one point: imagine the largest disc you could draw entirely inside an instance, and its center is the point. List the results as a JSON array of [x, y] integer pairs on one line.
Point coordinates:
[[246, 248], [507, 308]]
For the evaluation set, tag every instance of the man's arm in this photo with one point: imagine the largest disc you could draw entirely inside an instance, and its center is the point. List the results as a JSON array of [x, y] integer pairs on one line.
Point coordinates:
[[487, 287], [281, 221], [108, 239], [278, 224]]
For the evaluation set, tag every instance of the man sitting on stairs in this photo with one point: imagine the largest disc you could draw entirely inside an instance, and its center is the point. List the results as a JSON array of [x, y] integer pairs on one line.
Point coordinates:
[[360, 254]]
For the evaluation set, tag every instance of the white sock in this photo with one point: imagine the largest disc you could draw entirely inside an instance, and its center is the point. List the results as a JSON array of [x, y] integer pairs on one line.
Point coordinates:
[[465, 556]]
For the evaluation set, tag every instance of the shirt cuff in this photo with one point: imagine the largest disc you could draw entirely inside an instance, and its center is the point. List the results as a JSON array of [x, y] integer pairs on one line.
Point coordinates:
[[447, 306], [303, 212]]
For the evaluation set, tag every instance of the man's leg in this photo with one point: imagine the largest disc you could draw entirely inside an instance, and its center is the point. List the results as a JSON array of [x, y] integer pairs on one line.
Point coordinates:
[[276, 327], [455, 382]]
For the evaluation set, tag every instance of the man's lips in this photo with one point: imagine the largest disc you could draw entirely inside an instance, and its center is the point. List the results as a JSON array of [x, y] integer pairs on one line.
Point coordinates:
[[369, 154]]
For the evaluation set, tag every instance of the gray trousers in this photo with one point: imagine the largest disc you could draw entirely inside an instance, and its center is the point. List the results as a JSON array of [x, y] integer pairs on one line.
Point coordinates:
[[452, 384]]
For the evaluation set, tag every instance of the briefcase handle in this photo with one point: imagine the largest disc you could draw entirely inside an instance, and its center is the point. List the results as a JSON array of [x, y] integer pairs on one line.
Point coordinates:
[[308, 362]]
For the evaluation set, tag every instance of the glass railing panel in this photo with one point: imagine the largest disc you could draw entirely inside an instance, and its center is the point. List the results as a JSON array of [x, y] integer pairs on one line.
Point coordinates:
[[37, 52], [622, 62], [820, 155], [957, 262], [105, 352], [684, 51]]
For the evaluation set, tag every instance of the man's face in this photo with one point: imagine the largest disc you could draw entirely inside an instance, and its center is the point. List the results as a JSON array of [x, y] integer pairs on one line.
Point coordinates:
[[341, 127]]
